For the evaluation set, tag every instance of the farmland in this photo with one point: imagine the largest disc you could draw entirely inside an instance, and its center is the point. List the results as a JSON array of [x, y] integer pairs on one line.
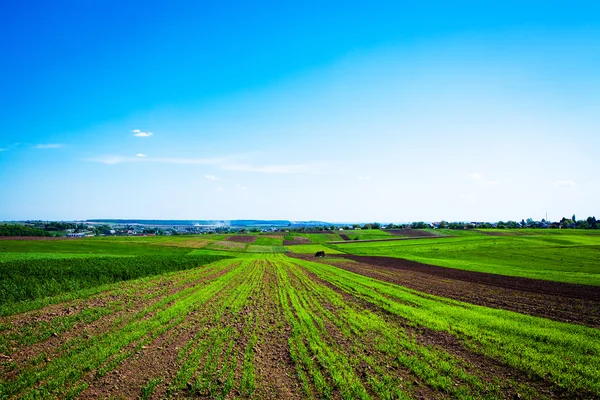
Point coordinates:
[[244, 316]]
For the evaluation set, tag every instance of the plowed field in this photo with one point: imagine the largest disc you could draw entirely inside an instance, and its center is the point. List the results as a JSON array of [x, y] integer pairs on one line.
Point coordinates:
[[271, 327]]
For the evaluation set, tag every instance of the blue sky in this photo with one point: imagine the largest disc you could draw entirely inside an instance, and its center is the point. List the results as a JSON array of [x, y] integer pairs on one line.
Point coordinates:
[[339, 112]]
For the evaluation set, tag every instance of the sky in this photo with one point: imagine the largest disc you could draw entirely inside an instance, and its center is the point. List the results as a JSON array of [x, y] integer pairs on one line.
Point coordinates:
[[336, 111]]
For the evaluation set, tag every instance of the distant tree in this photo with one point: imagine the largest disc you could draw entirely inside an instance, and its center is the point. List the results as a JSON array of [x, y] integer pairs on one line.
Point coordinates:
[[21, 230], [593, 224], [375, 225]]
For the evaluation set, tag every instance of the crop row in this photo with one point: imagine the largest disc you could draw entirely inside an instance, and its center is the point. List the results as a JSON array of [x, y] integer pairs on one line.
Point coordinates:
[[26, 280]]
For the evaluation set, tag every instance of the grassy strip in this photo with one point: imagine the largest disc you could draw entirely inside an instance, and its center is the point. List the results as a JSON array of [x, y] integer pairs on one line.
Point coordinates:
[[308, 343], [213, 348], [564, 258], [436, 368], [37, 278], [564, 354], [104, 352]]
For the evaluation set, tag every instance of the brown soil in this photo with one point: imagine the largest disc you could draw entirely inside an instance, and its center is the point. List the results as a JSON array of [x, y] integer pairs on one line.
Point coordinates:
[[241, 239], [345, 237], [297, 240], [477, 364], [393, 239], [134, 302], [555, 300], [276, 375]]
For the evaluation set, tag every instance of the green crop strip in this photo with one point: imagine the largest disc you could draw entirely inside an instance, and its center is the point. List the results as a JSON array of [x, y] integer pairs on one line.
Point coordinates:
[[570, 257], [104, 352], [563, 354], [348, 336], [37, 278], [436, 368]]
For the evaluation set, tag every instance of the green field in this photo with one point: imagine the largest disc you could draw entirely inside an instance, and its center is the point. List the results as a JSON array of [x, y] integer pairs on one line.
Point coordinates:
[[200, 316], [367, 234], [566, 256]]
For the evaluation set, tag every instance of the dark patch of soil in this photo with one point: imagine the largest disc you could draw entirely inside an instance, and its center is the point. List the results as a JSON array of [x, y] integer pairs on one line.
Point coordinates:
[[413, 233], [475, 363], [345, 237], [554, 300], [296, 240], [241, 239], [393, 239], [275, 370]]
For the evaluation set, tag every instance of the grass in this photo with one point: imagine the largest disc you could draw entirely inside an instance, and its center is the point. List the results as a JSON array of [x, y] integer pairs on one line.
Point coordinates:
[[366, 234], [546, 255], [268, 241], [342, 335], [116, 246], [34, 278], [311, 249], [535, 345]]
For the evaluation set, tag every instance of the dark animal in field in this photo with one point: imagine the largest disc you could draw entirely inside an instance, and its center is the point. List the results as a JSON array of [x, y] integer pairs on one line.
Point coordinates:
[[320, 254]]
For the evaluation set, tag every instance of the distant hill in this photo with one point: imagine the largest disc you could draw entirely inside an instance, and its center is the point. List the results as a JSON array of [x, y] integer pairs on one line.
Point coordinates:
[[241, 223]]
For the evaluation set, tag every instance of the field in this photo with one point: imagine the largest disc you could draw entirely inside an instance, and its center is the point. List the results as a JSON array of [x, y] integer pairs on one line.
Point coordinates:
[[566, 256], [246, 317]]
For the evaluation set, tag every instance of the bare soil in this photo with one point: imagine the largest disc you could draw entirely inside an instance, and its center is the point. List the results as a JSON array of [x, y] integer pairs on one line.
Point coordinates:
[[241, 239], [555, 300], [297, 240]]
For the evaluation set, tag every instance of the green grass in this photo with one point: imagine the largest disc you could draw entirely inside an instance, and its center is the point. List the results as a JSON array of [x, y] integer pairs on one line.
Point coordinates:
[[348, 336], [560, 257], [31, 279], [320, 238], [367, 234], [5, 257], [563, 353], [112, 246], [253, 248], [311, 249], [268, 241]]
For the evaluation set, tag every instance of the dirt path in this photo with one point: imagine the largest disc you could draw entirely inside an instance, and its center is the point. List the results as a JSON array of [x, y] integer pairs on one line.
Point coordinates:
[[555, 300]]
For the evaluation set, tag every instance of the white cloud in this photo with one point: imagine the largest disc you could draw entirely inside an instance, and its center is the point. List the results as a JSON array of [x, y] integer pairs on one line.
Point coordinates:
[[269, 169], [241, 187], [138, 133], [212, 177], [48, 146], [475, 176], [363, 178], [566, 183], [140, 155], [220, 189], [112, 159]]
